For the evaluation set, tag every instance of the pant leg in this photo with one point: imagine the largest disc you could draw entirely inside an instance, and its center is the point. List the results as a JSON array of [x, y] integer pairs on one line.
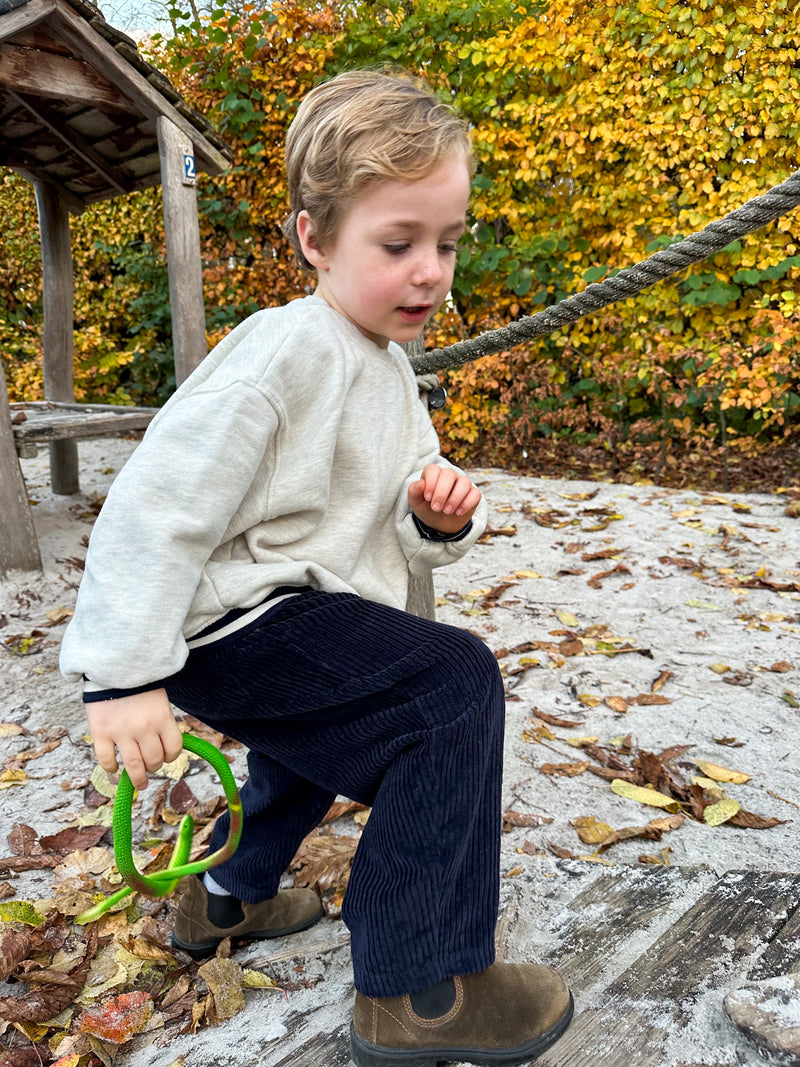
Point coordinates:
[[399, 712], [279, 809]]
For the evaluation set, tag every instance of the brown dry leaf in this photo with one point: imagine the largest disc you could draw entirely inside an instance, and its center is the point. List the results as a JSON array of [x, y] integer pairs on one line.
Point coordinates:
[[502, 531], [43, 1004], [595, 582], [15, 864], [517, 818], [530, 849], [14, 947], [792, 510], [659, 858], [323, 861], [606, 553], [649, 699], [538, 735], [617, 704], [119, 1018], [730, 742], [570, 647], [750, 821], [660, 681], [224, 980], [557, 850], [23, 840], [782, 667], [74, 839], [741, 678], [553, 519], [181, 797], [342, 807], [553, 720], [7, 890], [567, 770]]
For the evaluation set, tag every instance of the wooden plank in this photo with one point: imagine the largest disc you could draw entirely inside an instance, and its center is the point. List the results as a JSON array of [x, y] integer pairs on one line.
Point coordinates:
[[332, 1050], [183, 252], [19, 549], [86, 43], [66, 427], [58, 296], [23, 18], [74, 142], [56, 77], [713, 945], [622, 903]]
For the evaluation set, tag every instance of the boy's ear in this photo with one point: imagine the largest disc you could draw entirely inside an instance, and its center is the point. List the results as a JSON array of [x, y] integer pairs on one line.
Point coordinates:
[[306, 233]]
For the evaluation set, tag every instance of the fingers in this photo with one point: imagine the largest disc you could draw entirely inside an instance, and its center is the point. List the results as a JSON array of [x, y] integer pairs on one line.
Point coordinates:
[[448, 491], [141, 729]]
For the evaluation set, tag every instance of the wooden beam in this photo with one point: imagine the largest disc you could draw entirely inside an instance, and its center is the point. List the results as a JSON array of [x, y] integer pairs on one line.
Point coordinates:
[[28, 70], [19, 549], [420, 599], [24, 17], [58, 296], [73, 140], [88, 44], [183, 251], [33, 174]]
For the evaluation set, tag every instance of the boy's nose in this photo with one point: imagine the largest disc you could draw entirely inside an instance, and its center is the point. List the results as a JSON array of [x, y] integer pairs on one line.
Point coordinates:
[[428, 269]]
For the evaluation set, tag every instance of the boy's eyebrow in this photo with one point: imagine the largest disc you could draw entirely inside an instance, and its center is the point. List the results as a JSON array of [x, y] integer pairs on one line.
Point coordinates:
[[409, 225]]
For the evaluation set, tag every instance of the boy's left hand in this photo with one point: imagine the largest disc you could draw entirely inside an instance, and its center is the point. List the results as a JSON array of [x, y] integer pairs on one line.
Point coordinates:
[[443, 498]]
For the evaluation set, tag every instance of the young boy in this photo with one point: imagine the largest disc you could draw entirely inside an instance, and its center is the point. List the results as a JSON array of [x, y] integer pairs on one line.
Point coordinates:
[[251, 564]]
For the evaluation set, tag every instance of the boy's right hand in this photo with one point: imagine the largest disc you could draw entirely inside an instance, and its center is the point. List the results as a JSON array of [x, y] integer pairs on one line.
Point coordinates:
[[141, 728]]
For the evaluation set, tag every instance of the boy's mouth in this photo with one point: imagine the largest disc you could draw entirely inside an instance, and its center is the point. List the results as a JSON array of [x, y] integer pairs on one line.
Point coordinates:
[[416, 312]]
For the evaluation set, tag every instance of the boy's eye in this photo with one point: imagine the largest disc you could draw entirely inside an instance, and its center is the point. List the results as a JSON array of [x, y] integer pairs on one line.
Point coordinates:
[[396, 250], [448, 246]]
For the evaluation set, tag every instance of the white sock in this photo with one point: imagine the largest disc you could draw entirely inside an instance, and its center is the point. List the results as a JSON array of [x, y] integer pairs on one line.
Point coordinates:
[[214, 887]]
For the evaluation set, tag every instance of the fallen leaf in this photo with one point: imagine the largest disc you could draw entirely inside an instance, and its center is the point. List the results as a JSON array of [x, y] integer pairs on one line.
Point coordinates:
[[590, 830], [43, 1004], [782, 667], [553, 720], [721, 774], [119, 1018], [730, 742], [649, 700], [750, 821], [644, 796], [617, 704], [567, 770], [224, 980], [517, 818], [722, 811], [566, 618], [598, 578], [20, 911], [659, 858]]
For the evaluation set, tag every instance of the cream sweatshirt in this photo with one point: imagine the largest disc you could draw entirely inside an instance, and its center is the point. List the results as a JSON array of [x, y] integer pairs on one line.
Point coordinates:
[[284, 459]]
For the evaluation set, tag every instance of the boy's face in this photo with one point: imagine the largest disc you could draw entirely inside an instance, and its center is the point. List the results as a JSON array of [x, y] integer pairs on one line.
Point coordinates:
[[391, 264]]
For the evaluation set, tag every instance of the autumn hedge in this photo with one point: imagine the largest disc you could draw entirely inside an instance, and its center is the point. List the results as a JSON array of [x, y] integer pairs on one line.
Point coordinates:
[[601, 130]]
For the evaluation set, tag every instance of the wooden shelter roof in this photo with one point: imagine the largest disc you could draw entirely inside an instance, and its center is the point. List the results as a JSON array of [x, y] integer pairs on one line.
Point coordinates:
[[79, 105]]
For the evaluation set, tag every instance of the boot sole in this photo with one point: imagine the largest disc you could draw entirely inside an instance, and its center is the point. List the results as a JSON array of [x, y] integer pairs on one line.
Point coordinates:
[[198, 950], [365, 1054]]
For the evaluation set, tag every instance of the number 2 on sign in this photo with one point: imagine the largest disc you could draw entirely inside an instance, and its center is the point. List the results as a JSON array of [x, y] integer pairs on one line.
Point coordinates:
[[188, 167]]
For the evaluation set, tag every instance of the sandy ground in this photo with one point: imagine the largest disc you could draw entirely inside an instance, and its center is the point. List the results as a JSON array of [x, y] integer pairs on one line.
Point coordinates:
[[701, 608]]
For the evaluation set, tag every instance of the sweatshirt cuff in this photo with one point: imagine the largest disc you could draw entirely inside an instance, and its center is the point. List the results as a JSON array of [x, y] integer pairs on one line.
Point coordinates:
[[430, 534], [93, 693]]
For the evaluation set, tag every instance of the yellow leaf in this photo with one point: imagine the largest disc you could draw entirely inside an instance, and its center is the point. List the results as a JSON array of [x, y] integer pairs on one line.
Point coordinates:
[[617, 704], [257, 980], [20, 911], [526, 574], [588, 700], [579, 742], [721, 774], [590, 830], [716, 814], [644, 796], [566, 618], [9, 778], [719, 668]]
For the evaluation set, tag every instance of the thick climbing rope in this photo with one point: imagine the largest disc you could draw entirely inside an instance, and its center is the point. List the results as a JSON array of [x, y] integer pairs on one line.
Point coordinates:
[[753, 215]]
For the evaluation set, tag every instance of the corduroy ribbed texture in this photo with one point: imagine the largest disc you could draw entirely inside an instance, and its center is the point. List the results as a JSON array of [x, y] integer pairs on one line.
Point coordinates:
[[334, 694]]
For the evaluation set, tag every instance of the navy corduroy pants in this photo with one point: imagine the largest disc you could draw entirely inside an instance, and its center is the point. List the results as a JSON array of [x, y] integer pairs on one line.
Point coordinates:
[[334, 694]]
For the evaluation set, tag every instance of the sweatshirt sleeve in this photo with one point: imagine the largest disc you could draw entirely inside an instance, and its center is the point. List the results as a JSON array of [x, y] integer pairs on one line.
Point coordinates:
[[422, 553], [167, 511]]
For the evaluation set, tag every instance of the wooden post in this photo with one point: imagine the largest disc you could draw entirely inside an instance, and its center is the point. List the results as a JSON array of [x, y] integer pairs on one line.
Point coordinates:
[[19, 549], [420, 599], [58, 297], [183, 248]]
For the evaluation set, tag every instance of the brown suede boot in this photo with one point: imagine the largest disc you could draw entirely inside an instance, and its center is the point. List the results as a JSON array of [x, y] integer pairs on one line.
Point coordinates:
[[195, 932], [508, 1014]]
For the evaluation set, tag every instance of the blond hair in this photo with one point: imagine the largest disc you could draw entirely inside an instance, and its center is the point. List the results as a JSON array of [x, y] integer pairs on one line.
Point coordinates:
[[359, 129]]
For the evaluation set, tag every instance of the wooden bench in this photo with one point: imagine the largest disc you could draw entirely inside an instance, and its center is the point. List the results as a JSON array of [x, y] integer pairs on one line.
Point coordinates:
[[22, 427], [46, 421]]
